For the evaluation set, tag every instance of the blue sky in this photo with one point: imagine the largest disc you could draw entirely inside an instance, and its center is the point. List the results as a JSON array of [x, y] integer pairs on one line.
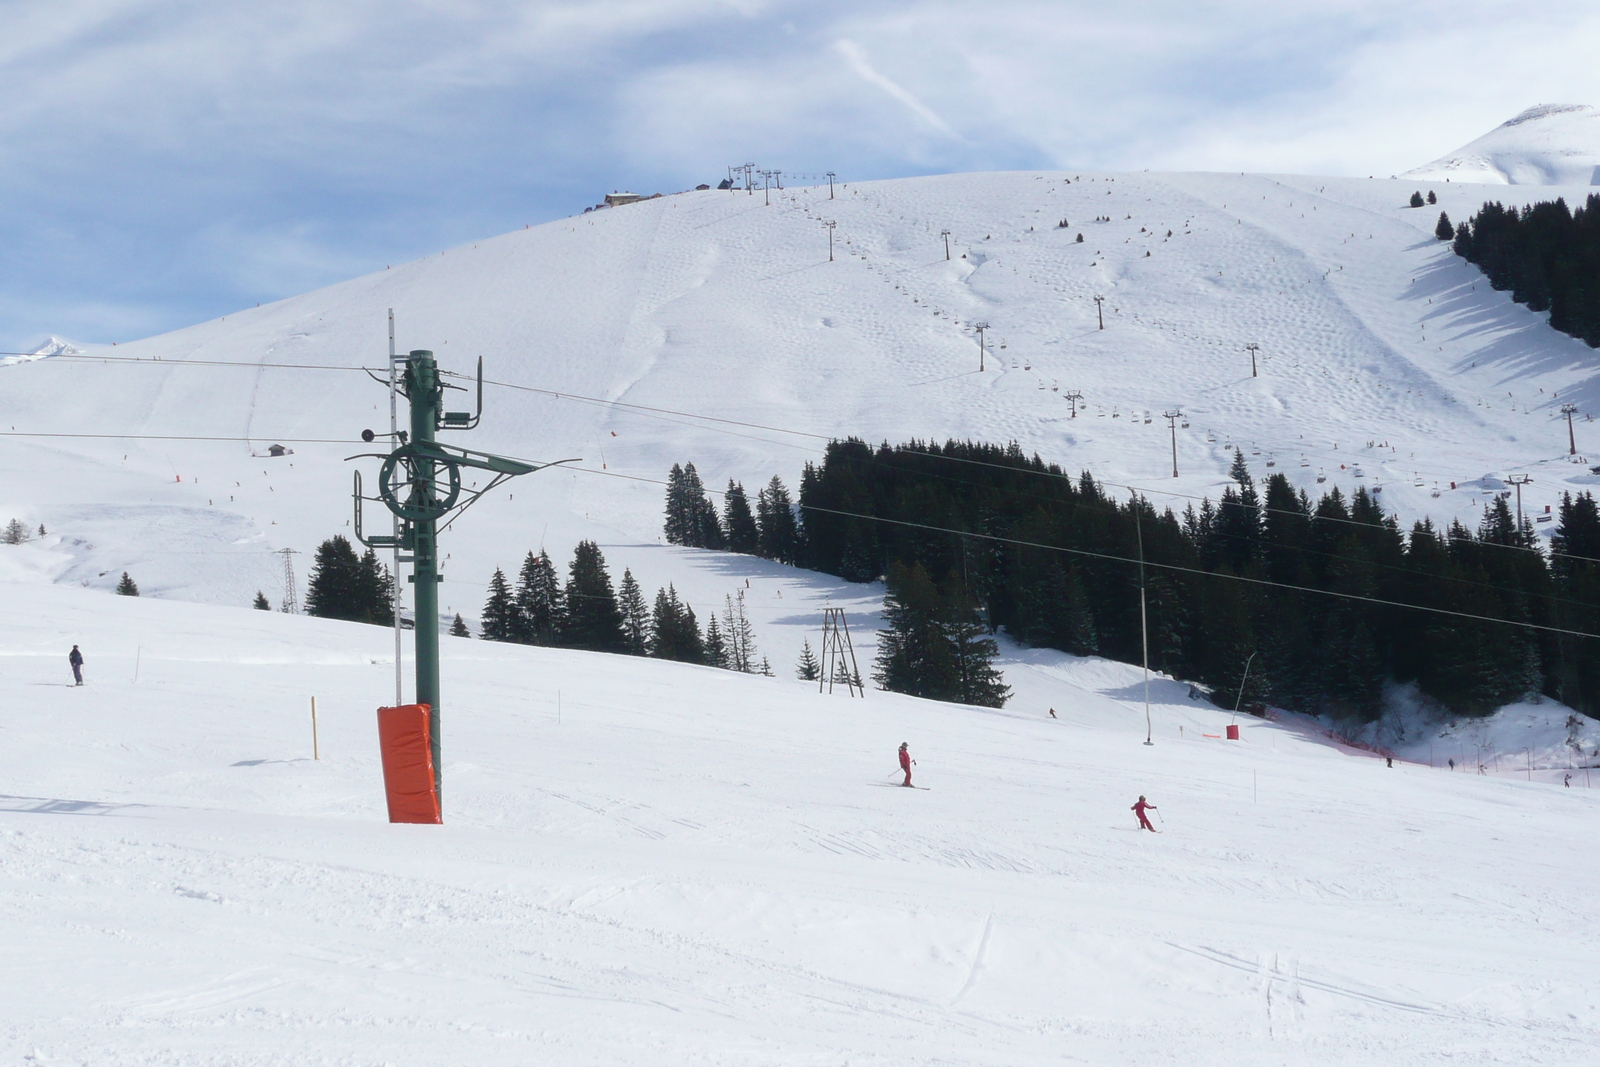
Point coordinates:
[[170, 161]]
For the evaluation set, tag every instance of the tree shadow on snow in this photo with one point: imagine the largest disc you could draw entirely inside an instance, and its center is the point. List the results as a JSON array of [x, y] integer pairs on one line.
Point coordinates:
[[1514, 340]]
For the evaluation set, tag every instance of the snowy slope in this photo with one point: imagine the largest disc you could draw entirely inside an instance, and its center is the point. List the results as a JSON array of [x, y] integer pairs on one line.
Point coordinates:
[[654, 863], [1552, 144], [1384, 361]]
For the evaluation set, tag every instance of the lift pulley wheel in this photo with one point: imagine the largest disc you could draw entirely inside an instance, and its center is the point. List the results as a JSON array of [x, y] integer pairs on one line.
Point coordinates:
[[399, 483]]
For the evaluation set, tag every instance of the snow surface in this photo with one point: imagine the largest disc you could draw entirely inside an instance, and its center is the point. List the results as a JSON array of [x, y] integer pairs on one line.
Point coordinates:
[[1552, 144], [653, 863]]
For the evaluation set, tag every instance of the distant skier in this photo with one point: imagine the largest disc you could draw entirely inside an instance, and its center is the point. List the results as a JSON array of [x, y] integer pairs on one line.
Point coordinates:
[[1388, 761], [1139, 810], [1567, 781], [1452, 762], [905, 762], [76, 659], [1052, 713]]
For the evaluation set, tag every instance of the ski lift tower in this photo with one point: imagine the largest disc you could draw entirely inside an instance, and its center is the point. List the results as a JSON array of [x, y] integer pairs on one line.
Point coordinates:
[[420, 483]]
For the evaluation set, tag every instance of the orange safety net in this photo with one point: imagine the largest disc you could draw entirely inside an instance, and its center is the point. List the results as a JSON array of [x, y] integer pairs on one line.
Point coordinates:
[[408, 764]]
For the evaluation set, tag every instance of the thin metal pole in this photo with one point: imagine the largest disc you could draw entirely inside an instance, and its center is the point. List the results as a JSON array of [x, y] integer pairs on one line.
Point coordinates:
[[1240, 698], [1570, 410], [316, 752], [1519, 483], [830, 185], [1144, 622], [394, 527], [1172, 418]]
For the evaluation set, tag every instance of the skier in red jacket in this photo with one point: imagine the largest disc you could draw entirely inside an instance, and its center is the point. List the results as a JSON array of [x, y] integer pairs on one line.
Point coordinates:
[[1139, 810], [905, 763]]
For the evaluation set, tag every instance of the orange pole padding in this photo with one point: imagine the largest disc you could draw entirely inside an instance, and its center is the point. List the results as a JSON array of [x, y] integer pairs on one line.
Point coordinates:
[[408, 764]]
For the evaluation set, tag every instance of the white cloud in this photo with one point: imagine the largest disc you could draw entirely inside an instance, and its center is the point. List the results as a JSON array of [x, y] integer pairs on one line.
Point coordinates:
[[856, 56]]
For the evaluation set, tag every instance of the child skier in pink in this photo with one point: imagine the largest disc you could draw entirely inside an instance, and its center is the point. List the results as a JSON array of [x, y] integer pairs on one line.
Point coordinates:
[[906, 761], [1139, 810]]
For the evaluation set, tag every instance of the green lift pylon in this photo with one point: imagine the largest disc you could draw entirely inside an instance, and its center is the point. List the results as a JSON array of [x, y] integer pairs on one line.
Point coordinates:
[[420, 482]]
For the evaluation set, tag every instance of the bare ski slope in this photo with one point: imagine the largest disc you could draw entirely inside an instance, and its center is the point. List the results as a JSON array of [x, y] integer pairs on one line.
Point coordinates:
[[1383, 361], [654, 863]]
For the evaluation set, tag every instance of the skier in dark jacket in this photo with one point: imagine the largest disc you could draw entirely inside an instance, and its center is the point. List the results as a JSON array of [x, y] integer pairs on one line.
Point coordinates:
[[76, 659], [1139, 810], [905, 762]]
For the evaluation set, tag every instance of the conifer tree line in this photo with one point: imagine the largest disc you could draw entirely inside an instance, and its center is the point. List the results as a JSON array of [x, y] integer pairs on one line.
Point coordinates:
[[588, 612], [346, 586], [1312, 652], [1546, 255]]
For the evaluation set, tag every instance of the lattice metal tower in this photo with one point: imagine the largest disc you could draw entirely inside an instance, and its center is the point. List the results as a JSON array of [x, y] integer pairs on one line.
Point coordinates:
[[838, 655], [291, 594]]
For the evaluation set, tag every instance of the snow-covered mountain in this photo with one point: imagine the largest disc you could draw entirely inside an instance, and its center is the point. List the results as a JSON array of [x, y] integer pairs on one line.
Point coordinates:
[[1552, 144], [1384, 361]]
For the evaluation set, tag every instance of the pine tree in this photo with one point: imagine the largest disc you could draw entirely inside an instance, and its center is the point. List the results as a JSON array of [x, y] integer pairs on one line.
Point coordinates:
[[766, 668], [1431, 198], [593, 621], [635, 615], [1444, 231], [374, 591], [1416, 199], [335, 589], [739, 634], [679, 519], [715, 648], [674, 633], [913, 655], [126, 586], [778, 533], [694, 649], [808, 669], [15, 533], [499, 621], [740, 524], [41, 531], [458, 627], [972, 650], [261, 602], [539, 601]]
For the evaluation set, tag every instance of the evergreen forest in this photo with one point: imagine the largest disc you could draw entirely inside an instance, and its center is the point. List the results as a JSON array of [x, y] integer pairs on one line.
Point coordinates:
[[1265, 595], [1547, 256], [589, 612]]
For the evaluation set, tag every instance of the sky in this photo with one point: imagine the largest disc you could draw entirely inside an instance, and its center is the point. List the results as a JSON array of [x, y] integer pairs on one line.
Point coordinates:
[[167, 161]]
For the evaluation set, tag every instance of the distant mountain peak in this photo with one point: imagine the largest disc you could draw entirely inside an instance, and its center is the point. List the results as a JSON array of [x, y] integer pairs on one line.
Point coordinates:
[[1549, 144], [50, 346]]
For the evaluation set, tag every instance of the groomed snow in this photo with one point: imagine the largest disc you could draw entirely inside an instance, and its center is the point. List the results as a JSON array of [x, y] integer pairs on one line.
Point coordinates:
[[654, 863]]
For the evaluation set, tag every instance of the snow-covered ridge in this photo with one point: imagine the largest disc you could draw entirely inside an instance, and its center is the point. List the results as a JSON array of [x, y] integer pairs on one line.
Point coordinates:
[[1551, 144], [50, 346]]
